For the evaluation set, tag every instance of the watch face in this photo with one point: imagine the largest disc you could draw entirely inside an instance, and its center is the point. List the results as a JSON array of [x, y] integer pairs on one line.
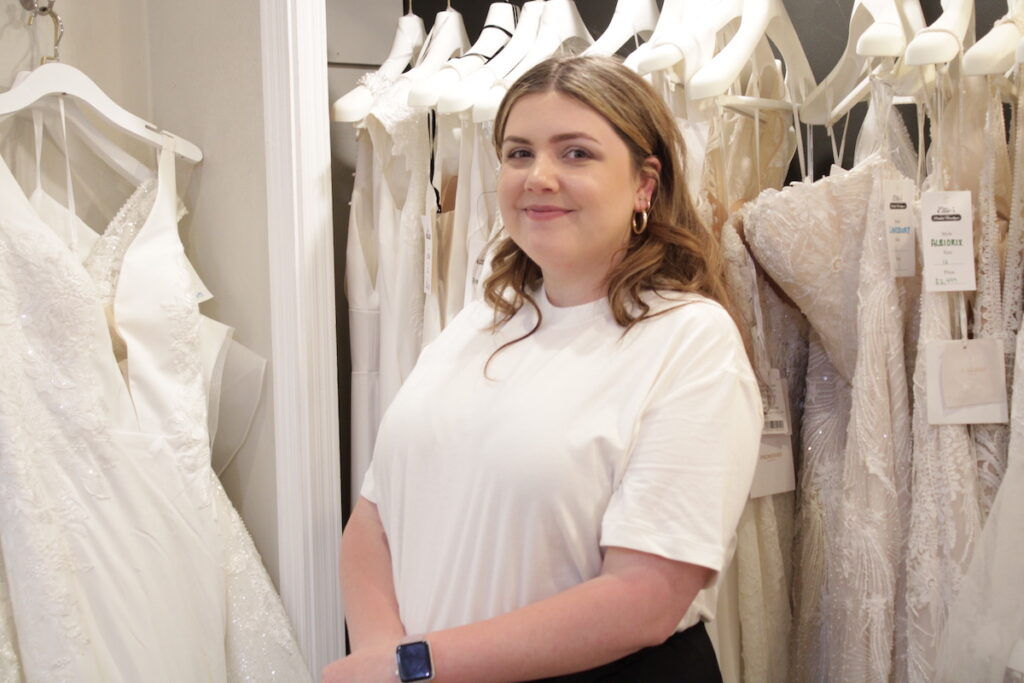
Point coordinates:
[[414, 662]]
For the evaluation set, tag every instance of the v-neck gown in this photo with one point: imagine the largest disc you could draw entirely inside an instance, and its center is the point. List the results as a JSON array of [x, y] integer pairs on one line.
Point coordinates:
[[123, 558]]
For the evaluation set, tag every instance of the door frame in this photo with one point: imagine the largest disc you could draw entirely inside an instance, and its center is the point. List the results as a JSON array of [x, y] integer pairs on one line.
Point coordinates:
[[302, 292]]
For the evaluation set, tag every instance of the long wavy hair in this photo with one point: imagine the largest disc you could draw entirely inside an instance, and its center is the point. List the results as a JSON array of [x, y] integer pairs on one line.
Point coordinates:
[[676, 253]]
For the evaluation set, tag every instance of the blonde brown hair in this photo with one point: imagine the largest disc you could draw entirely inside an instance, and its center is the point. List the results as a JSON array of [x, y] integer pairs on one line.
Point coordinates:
[[676, 252]]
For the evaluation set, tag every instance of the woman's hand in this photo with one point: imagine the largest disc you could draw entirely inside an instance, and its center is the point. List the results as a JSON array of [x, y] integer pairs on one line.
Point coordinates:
[[374, 664]]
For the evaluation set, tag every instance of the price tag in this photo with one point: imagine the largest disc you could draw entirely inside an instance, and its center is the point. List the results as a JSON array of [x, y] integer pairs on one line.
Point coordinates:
[[775, 472], [947, 241], [1015, 665], [966, 382], [776, 414], [898, 195], [428, 253]]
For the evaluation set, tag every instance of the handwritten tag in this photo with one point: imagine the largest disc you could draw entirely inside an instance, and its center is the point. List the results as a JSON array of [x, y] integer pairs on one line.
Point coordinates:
[[947, 241], [966, 382], [898, 195]]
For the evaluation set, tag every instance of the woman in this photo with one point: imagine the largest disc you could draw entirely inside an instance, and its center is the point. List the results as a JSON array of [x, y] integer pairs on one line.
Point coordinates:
[[556, 487]]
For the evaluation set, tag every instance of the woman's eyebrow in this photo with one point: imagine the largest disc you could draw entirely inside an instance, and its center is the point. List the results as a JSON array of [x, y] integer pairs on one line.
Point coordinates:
[[554, 138]]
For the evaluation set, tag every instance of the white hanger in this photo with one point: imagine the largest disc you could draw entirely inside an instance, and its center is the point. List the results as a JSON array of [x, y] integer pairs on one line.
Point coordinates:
[[127, 166], [689, 38], [759, 18], [995, 52], [941, 41], [498, 27], [560, 25], [876, 30], [464, 94], [446, 39], [54, 78], [631, 18], [409, 37]]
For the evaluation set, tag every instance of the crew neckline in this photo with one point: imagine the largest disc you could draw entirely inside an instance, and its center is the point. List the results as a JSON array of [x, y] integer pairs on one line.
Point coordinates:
[[569, 314]]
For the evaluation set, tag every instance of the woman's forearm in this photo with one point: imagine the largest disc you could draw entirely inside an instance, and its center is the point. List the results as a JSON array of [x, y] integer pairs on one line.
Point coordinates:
[[371, 609], [635, 603]]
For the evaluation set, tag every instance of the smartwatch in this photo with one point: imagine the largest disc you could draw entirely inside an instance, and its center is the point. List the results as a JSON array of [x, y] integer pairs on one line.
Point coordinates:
[[414, 662]]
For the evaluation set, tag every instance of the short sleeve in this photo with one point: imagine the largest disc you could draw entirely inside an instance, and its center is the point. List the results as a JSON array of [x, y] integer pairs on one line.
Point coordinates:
[[689, 473], [369, 490]]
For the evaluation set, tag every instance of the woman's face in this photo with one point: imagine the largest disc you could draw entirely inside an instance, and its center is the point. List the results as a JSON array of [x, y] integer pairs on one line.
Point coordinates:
[[568, 188]]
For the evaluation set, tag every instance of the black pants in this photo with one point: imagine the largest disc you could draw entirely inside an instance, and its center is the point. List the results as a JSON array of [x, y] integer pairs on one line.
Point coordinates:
[[686, 657]]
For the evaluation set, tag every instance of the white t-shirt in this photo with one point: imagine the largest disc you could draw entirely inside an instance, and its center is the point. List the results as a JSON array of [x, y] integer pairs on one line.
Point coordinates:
[[496, 492]]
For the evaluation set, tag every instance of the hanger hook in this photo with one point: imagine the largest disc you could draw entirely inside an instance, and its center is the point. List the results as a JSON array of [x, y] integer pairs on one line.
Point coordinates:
[[58, 35], [45, 8]]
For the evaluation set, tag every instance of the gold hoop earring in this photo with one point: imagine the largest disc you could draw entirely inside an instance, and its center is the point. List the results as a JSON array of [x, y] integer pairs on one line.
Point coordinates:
[[640, 225]]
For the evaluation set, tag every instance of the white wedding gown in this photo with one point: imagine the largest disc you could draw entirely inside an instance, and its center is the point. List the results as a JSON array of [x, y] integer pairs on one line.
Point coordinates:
[[819, 242], [123, 559]]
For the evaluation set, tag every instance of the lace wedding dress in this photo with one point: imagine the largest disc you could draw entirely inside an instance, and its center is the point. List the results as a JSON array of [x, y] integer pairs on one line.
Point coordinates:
[[821, 243], [123, 558], [986, 615]]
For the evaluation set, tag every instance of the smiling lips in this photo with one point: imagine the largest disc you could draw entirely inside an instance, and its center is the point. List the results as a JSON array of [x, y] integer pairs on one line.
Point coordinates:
[[544, 213]]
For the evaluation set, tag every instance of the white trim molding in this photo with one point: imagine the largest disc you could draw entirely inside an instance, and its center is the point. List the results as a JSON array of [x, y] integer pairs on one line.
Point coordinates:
[[305, 379]]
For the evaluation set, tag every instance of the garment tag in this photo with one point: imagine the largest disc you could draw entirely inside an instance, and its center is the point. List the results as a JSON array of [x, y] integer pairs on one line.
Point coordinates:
[[947, 241], [776, 414], [428, 252], [1015, 665], [966, 382], [898, 194], [774, 472]]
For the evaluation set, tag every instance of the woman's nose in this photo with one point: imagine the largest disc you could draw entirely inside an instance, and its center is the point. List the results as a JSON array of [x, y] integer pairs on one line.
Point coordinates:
[[542, 175]]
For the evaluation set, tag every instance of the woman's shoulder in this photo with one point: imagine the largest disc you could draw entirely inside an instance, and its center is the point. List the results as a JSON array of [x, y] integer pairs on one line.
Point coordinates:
[[683, 307], [688, 318]]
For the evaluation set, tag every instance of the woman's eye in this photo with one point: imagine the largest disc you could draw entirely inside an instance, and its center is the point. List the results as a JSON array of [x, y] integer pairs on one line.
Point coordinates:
[[578, 153], [517, 153]]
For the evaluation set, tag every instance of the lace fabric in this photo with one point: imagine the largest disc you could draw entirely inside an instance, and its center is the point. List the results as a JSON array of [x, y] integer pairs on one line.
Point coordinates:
[[104, 260], [991, 441], [826, 417], [986, 610], [987, 615], [820, 243]]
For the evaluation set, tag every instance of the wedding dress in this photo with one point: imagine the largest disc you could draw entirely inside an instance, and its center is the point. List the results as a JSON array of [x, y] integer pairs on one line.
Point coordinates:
[[986, 614], [991, 440], [745, 154], [123, 557], [819, 242], [401, 145], [761, 569]]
